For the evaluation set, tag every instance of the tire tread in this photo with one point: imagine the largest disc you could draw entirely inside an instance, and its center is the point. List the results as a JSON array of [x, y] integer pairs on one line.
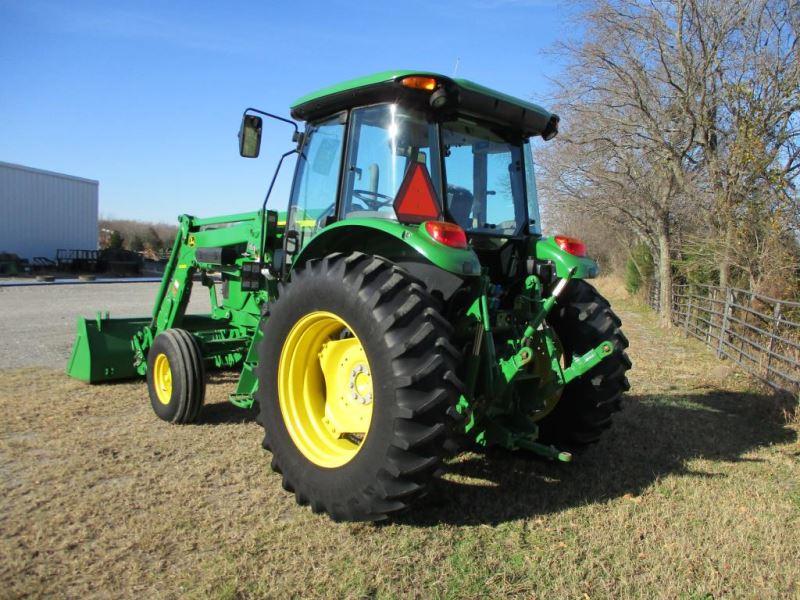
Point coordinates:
[[423, 363]]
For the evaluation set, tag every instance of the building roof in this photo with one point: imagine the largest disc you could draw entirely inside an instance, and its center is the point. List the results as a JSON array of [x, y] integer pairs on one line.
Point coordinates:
[[44, 172]]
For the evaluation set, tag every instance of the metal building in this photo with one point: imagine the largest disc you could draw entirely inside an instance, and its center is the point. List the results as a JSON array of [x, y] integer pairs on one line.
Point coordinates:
[[42, 211]]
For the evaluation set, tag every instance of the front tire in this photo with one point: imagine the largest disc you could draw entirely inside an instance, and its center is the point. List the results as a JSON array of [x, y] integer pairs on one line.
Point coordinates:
[[356, 376], [176, 378]]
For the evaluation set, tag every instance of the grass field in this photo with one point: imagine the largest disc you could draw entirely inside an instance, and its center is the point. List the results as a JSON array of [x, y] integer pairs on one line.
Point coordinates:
[[694, 493]]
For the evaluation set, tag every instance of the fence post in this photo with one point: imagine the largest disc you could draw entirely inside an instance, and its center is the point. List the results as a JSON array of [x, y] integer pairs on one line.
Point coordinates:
[[712, 295], [688, 314], [726, 311], [655, 300], [776, 314]]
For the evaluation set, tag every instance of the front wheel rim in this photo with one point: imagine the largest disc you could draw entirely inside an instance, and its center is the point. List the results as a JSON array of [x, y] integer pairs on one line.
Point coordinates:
[[325, 389], [162, 379]]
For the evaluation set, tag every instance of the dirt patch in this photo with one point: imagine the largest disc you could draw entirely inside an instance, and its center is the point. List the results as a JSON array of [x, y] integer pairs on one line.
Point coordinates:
[[694, 491]]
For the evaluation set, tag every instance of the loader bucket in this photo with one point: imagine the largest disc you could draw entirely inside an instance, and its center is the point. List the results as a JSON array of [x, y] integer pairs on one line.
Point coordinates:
[[102, 350]]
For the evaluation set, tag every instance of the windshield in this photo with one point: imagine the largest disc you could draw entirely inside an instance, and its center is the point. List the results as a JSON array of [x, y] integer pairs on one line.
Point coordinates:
[[485, 179]]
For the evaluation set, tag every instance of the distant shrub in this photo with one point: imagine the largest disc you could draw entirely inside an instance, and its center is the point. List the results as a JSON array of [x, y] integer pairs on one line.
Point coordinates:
[[139, 236], [115, 240], [639, 268]]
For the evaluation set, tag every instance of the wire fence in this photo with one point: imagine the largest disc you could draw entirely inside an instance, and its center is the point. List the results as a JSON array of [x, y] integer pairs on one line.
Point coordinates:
[[759, 333]]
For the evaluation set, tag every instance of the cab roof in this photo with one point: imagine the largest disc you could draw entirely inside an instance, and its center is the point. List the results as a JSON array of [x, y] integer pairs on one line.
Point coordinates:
[[465, 97]]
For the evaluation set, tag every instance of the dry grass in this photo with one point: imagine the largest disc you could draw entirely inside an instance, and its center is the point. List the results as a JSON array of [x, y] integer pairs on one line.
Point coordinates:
[[695, 492]]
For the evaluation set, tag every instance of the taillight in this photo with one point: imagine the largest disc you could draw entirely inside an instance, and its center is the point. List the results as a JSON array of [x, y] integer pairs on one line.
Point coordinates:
[[448, 234], [571, 245]]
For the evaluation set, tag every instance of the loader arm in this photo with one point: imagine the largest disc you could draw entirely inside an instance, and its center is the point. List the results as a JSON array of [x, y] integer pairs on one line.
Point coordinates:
[[221, 252]]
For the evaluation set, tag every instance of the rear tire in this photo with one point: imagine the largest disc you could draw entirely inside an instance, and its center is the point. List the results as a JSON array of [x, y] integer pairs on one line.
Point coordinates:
[[411, 364], [583, 319], [176, 376]]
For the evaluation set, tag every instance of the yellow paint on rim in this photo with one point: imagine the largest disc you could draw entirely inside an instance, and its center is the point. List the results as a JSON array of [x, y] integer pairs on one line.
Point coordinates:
[[162, 378], [542, 367], [325, 389]]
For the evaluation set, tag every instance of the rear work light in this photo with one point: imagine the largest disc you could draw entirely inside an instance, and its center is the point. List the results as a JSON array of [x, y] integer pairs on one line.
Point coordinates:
[[448, 234], [419, 83], [571, 245]]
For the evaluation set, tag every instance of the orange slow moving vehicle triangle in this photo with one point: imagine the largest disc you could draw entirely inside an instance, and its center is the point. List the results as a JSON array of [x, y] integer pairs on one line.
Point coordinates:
[[416, 199]]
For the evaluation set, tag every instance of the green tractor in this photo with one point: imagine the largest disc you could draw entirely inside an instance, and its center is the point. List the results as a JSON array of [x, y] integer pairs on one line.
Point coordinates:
[[405, 305]]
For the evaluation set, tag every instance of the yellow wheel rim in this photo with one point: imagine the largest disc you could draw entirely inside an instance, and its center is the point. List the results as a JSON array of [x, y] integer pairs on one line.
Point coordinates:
[[325, 389], [162, 378], [547, 377]]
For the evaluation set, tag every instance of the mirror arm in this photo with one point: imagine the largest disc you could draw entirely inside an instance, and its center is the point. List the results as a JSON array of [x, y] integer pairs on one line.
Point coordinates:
[[266, 199], [297, 133]]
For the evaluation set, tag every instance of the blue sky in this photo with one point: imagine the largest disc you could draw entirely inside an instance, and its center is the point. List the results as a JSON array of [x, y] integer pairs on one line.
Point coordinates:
[[146, 97]]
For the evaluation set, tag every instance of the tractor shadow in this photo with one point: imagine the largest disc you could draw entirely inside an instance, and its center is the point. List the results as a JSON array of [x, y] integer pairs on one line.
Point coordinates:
[[221, 413], [217, 410], [652, 437]]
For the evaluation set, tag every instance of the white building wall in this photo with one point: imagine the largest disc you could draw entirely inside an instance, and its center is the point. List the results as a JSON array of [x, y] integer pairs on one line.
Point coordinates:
[[42, 211]]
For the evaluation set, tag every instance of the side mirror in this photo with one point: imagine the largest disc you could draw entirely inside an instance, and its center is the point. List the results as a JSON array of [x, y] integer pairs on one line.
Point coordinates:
[[250, 136], [292, 242]]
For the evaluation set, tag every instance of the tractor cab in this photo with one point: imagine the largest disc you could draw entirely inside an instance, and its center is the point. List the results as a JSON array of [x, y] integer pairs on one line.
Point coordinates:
[[412, 148]]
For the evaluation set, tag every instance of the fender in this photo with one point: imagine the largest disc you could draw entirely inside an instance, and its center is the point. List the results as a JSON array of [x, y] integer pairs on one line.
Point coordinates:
[[547, 249], [441, 268]]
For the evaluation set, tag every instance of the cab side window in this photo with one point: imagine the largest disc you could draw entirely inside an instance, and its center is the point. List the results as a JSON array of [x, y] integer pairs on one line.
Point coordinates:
[[317, 178]]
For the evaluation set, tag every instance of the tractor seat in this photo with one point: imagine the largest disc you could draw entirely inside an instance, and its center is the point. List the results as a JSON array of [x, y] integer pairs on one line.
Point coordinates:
[[459, 203]]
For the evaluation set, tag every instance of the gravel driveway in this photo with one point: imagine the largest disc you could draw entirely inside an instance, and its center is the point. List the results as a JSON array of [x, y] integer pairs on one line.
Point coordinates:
[[38, 322]]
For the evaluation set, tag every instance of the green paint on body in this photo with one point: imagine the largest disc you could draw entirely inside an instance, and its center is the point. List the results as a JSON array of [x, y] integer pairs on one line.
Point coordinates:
[[357, 83], [547, 249], [462, 262]]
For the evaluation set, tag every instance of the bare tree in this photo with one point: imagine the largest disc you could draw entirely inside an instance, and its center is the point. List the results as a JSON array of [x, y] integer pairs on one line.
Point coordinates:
[[680, 117], [745, 52], [628, 136]]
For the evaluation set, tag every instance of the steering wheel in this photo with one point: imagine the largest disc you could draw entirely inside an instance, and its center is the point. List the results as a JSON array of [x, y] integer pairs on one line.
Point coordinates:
[[325, 214], [374, 200]]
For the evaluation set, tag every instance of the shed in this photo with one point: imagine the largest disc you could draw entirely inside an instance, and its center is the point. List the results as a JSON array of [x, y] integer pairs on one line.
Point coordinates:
[[43, 211]]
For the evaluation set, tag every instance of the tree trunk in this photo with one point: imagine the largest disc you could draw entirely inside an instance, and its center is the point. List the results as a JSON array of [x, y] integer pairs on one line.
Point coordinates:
[[664, 275], [725, 259]]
